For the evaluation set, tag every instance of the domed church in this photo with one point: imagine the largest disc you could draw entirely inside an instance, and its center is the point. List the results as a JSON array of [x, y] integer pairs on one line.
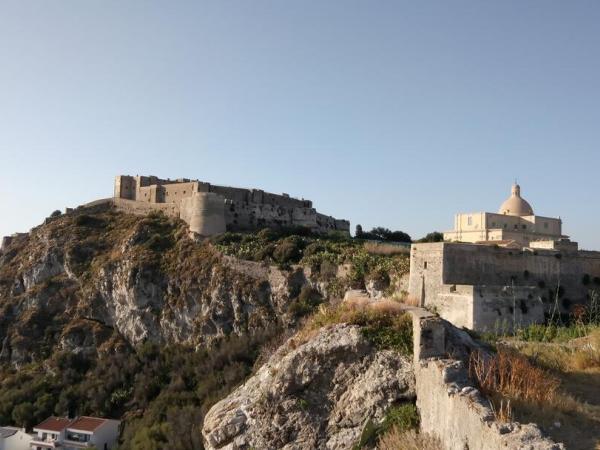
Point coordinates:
[[515, 224]]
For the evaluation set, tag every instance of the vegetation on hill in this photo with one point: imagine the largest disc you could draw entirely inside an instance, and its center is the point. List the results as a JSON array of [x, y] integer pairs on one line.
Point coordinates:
[[322, 254]]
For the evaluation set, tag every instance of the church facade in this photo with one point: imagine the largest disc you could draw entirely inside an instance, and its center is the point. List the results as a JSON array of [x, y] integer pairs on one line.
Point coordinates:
[[515, 223]]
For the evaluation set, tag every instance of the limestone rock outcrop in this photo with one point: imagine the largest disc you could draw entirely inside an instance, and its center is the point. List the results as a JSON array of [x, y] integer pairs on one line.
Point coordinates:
[[313, 395], [87, 277]]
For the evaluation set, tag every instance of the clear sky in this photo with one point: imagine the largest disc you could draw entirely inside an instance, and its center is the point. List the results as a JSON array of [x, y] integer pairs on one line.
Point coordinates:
[[387, 113]]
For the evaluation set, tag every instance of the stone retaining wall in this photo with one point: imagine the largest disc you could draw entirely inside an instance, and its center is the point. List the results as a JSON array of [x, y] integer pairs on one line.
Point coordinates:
[[451, 408]]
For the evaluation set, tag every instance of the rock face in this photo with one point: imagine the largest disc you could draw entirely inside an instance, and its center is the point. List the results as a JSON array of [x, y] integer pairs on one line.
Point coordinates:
[[78, 280], [316, 395]]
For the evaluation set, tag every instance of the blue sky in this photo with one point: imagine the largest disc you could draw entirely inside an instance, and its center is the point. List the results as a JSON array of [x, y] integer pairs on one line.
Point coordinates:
[[384, 112]]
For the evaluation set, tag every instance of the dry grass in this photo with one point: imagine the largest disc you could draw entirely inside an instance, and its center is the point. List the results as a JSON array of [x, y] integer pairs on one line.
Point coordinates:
[[588, 356], [575, 407], [412, 301], [512, 376], [383, 249], [396, 439]]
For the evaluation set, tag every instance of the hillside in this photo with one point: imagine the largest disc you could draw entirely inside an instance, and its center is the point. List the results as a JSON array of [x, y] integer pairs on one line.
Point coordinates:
[[109, 314]]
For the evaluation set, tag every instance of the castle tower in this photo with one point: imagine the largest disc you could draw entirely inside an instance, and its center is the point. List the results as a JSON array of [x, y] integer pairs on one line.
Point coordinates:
[[204, 212]]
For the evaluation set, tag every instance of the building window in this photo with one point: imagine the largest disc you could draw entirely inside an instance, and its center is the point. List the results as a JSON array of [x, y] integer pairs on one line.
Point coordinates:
[[546, 225], [524, 227], [469, 220], [516, 226]]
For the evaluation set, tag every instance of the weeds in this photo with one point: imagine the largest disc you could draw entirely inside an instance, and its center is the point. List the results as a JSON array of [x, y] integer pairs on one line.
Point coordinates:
[[397, 439], [508, 376]]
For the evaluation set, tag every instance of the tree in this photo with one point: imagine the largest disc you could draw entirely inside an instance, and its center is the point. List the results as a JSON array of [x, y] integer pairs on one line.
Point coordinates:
[[434, 236], [55, 213], [399, 236], [358, 231], [385, 234], [23, 414]]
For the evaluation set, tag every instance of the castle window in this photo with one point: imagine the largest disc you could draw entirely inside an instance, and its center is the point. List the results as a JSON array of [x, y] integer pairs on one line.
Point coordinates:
[[424, 264]]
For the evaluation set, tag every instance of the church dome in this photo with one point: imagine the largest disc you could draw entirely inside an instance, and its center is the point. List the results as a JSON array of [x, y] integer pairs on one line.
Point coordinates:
[[515, 205]]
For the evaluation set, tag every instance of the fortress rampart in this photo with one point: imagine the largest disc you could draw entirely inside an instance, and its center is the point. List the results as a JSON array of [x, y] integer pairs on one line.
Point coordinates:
[[484, 287], [211, 209]]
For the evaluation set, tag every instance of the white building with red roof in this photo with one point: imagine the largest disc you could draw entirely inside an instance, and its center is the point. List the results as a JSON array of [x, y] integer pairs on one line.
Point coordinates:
[[74, 434]]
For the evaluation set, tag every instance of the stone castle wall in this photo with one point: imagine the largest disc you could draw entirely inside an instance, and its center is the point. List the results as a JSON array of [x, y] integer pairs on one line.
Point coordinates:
[[239, 209], [489, 288]]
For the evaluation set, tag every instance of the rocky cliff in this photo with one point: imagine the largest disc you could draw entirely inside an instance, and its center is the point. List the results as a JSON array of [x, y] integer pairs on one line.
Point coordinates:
[[81, 280], [319, 394]]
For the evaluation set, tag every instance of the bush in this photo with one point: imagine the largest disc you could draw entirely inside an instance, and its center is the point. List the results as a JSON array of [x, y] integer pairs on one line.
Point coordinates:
[[85, 220], [56, 213], [308, 299], [288, 251], [402, 418]]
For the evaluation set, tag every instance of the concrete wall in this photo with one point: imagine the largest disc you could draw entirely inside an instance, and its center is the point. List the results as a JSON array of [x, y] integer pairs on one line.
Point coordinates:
[[450, 406]]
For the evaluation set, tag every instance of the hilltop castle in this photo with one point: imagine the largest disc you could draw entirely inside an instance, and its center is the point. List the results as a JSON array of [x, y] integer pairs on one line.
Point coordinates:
[[210, 209]]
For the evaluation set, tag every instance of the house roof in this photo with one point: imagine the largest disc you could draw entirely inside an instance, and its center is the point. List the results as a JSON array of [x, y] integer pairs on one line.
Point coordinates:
[[56, 424], [85, 423], [6, 432]]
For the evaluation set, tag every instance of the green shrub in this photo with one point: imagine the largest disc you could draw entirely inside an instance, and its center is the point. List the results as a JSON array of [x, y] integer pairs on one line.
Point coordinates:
[[403, 417], [289, 250], [85, 220], [390, 332], [308, 299]]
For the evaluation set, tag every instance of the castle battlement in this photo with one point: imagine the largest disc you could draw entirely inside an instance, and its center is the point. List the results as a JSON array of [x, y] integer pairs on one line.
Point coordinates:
[[210, 209]]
